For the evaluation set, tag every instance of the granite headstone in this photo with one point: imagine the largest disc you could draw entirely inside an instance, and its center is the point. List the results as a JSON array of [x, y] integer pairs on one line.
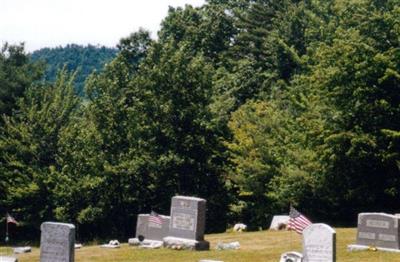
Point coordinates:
[[151, 230], [187, 224], [319, 243], [57, 242], [379, 230]]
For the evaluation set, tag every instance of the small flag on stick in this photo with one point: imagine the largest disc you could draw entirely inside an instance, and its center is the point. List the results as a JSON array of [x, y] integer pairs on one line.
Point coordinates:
[[297, 222], [11, 220], [155, 218]]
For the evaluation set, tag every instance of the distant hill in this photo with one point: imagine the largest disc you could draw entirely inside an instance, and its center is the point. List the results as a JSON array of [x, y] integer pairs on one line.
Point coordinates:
[[85, 59]]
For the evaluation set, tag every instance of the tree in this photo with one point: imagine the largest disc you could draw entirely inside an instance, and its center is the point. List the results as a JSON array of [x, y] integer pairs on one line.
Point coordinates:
[[29, 147], [176, 130], [16, 75]]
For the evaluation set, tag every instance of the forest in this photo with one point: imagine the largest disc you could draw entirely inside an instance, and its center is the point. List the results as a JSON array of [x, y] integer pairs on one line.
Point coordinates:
[[82, 60], [254, 105]]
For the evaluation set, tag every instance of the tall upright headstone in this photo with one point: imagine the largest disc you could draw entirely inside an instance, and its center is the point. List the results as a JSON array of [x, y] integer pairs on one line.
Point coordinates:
[[319, 243], [57, 242], [187, 224], [379, 230]]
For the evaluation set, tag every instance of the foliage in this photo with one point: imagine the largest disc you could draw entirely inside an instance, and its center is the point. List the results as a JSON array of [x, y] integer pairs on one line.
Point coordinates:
[[16, 74], [82, 59], [252, 105], [29, 146]]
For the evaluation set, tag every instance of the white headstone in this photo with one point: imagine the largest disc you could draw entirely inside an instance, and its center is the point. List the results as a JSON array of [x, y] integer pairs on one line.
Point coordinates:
[[8, 259], [57, 242], [278, 221], [319, 243]]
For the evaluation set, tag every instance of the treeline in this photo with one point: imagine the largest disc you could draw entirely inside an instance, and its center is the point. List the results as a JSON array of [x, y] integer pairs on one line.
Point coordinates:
[[252, 105], [75, 58]]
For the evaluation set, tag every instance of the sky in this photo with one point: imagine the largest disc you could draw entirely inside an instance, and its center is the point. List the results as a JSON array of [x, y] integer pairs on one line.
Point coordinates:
[[50, 23]]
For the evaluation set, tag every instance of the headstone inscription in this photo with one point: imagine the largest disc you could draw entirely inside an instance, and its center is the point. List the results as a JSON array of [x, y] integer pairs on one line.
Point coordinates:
[[187, 224], [319, 243], [378, 230], [57, 242]]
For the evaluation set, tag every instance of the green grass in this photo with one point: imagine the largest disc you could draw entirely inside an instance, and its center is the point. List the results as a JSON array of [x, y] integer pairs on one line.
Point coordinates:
[[255, 247]]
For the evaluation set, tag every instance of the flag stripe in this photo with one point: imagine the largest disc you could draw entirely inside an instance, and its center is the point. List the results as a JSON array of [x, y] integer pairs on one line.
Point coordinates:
[[297, 221], [155, 218], [10, 219]]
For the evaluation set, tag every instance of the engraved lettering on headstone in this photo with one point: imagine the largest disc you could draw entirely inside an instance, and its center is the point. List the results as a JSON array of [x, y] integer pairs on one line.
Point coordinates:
[[366, 235], [386, 237], [154, 225], [184, 204], [183, 221], [377, 223]]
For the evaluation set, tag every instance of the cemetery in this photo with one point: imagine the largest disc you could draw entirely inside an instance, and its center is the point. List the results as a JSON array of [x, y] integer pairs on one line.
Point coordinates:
[[200, 131], [262, 246], [180, 237]]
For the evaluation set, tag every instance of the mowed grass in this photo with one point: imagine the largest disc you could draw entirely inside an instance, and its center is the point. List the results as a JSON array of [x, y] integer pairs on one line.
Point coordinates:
[[254, 247]]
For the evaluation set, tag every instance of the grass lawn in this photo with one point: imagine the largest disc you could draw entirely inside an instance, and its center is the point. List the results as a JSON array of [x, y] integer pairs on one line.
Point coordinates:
[[255, 247]]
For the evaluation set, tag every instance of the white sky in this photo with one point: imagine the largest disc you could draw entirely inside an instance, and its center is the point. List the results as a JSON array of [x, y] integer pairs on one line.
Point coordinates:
[[50, 23]]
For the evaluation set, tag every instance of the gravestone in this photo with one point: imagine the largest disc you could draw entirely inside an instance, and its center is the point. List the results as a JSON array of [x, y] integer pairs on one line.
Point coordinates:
[[279, 222], [187, 224], [378, 230], [57, 242], [21, 250], [319, 243], [8, 259], [150, 230]]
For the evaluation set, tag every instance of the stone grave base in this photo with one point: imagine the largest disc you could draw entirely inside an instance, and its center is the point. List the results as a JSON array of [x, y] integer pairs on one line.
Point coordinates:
[[20, 250], [352, 248], [8, 259], [110, 246], [147, 243], [183, 243]]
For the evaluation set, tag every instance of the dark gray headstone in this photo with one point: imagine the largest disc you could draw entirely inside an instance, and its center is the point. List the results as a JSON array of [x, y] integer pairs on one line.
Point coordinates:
[[379, 230], [188, 217], [319, 243], [57, 242], [187, 225], [150, 230]]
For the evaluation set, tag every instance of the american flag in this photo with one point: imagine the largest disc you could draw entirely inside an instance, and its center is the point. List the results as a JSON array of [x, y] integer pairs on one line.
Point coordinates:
[[297, 222], [10, 219], [155, 218]]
